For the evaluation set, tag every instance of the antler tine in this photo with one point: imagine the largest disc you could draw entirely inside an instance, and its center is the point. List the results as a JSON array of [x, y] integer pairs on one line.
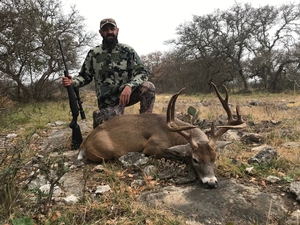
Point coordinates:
[[231, 124], [171, 106], [171, 115], [172, 125], [224, 102]]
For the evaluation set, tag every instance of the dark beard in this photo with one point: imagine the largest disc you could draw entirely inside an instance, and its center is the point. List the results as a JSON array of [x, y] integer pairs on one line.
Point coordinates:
[[110, 42]]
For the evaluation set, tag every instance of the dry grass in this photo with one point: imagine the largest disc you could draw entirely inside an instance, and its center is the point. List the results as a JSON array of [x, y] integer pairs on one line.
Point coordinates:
[[120, 206]]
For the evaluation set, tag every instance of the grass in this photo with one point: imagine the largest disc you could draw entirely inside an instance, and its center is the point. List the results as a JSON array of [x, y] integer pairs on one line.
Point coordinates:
[[120, 206]]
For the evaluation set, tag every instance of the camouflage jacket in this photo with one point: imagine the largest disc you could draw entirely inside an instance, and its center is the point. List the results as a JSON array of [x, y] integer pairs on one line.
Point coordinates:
[[111, 70]]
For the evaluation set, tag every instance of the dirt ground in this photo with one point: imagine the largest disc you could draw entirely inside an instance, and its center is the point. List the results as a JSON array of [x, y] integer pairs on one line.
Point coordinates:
[[234, 201]]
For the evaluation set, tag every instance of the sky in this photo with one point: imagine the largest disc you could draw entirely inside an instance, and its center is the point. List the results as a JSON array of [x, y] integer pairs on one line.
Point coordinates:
[[146, 24]]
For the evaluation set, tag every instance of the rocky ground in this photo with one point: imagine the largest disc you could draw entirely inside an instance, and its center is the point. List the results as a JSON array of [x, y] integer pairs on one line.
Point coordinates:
[[235, 201]]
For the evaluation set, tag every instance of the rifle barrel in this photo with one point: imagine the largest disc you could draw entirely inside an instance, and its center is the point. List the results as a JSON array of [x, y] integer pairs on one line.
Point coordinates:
[[76, 132]]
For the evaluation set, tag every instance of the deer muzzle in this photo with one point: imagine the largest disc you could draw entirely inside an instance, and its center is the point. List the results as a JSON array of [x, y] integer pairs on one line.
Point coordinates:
[[210, 182]]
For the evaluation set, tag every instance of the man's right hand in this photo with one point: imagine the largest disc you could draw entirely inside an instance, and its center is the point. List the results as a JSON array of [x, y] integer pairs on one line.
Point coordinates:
[[67, 81]]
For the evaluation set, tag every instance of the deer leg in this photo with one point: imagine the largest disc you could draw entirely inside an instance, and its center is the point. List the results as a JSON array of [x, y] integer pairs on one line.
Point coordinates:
[[154, 146]]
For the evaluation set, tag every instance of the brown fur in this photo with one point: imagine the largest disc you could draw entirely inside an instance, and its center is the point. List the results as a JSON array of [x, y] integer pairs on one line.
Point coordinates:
[[146, 133], [161, 136]]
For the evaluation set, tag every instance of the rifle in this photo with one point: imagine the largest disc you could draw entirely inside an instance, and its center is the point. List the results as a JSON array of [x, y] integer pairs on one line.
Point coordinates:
[[75, 107]]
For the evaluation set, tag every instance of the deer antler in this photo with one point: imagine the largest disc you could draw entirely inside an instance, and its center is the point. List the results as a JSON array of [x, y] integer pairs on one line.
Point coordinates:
[[172, 126], [231, 124]]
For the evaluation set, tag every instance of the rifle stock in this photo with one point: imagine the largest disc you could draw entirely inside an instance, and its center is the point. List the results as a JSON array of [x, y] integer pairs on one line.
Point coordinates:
[[76, 132]]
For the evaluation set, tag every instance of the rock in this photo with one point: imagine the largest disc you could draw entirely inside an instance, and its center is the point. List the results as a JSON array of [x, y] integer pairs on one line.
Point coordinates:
[[150, 170], [292, 144], [57, 139], [11, 136], [59, 123], [296, 213], [34, 138], [46, 189], [188, 178], [273, 179], [230, 202], [70, 200], [275, 122], [133, 159], [137, 183], [264, 156], [36, 183], [254, 103], [250, 138], [76, 163], [102, 189], [295, 188], [70, 155], [260, 148], [72, 183], [249, 170], [232, 135], [98, 168]]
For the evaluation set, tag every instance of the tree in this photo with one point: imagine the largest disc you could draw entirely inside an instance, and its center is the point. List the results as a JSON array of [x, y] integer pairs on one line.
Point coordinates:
[[218, 41], [29, 53], [242, 43], [168, 72], [275, 39]]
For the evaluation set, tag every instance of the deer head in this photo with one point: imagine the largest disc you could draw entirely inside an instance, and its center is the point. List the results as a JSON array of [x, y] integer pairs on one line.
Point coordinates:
[[202, 150]]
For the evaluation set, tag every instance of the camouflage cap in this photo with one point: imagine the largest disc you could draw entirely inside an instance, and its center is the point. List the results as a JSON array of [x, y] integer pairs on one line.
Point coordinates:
[[107, 21]]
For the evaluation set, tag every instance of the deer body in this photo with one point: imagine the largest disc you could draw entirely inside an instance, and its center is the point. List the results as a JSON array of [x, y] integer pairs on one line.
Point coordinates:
[[146, 133], [162, 136]]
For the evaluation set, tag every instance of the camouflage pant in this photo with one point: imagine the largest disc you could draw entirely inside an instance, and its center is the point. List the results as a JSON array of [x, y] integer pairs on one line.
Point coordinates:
[[145, 94]]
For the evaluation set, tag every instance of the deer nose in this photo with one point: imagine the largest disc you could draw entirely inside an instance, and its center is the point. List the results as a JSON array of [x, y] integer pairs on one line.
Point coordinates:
[[211, 184]]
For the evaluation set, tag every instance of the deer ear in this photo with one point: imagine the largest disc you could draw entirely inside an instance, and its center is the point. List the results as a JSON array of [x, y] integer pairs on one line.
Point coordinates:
[[220, 145], [179, 150]]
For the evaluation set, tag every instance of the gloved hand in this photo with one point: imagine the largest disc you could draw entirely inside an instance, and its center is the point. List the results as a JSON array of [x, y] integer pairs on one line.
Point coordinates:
[[125, 96]]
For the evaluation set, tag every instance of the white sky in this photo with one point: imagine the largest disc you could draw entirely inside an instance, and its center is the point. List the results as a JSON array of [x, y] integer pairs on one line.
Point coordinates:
[[145, 25]]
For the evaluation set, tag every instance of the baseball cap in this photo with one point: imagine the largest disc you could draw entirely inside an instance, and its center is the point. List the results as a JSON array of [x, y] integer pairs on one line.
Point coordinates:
[[107, 21]]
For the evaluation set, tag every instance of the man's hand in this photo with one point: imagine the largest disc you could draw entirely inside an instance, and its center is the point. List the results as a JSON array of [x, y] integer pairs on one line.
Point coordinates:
[[125, 96], [67, 81]]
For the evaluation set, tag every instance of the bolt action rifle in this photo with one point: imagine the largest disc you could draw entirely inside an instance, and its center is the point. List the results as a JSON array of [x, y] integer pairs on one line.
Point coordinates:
[[75, 106]]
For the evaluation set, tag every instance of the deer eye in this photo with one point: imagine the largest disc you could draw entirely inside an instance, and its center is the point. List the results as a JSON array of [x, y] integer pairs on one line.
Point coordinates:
[[195, 161]]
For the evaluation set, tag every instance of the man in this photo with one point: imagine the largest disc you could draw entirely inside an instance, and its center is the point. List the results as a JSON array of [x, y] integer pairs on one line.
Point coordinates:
[[120, 77]]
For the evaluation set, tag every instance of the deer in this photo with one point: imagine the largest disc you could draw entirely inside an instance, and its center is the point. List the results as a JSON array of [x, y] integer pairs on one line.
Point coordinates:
[[161, 136]]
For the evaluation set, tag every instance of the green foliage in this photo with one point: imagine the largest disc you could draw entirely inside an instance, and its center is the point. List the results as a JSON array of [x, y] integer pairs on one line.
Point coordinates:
[[281, 165], [34, 116], [193, 114], [288, 179], [22, 221], [192, 111], [10, 165], [227, 168]]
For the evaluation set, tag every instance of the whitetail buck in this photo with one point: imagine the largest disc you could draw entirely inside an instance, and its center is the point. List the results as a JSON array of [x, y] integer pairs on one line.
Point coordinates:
[[161, 136]]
